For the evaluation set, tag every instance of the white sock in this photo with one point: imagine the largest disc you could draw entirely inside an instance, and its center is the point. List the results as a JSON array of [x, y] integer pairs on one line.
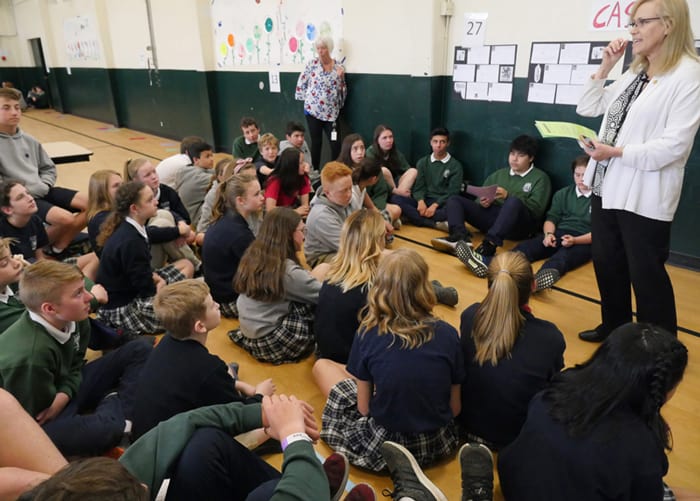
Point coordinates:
[[127, 426]]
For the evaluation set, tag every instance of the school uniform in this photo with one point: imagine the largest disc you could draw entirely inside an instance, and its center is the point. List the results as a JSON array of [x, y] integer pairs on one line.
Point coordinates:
[[411, 400], [125, 272], [26, 239], [337, 320], [495, 397], [184, 376], [280, 331]]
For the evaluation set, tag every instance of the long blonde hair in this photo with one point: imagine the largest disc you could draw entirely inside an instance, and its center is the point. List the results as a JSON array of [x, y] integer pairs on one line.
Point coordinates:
[[498, 319], [401, 301], [361, 245], [99, 198], [679, 41]]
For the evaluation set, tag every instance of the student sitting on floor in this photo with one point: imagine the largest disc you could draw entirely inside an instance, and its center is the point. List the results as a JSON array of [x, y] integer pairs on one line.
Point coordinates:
[[515, 212], [277, 296], [289, 184], [509, 354], [294, 135], [168, 168], [398, 173], [125, 263], [269, 153], [348, 279], [102, 188], [169, 229], [181, 372], [19, 221], [246, 145], [193, 449], [329, 210], [230, 236], [193, 181], [42, 364], [439, 177], [402, 381], [597, 433], [222, 171]]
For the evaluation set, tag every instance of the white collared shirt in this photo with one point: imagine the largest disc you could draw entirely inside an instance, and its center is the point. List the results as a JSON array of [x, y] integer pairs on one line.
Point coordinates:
[[138, 227], [580, 194], [5, 295], [62, 336], [443, 160], [513, 173]]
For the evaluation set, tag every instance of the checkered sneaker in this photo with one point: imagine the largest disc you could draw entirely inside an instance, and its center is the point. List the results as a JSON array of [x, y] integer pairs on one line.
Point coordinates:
[[471, 259], [545, 278], [476, 463], [170, 274], [137, 317], [291, 341], [668, 494], [360, 438], [229, 310], [409, 480]]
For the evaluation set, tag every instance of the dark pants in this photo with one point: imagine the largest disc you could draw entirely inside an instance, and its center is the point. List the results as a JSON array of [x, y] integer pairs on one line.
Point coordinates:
[[409, 209], [214, 466], [562, 259], [631, 249], [316, 130], [510, 220], [75, 433]]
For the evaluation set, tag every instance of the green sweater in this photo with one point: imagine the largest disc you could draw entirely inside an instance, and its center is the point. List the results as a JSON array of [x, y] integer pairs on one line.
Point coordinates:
[[379, 192], [151, 457], [534, 189], [570, 212], [34, 366], [437, 180], [243, 150]]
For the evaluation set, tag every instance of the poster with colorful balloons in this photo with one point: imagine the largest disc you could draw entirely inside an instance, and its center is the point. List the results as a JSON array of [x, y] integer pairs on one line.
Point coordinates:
[[270, 32]]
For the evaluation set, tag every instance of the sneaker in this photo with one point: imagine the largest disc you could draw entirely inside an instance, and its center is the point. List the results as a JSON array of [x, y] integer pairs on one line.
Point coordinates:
[[471, 259], [476, 463], [397, 224], [487, 248], [337, 468], [361, 492], [445, 295], [443, 245], [545, 278], [234, 335], [442, 226], [409, 480]]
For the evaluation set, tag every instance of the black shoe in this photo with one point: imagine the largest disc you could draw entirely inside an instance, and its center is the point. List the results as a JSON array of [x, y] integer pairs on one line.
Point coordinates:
[[592, 336], [471, 259], [409, 480], [445, 295], [545, 278], [487, 248], [476, 463]]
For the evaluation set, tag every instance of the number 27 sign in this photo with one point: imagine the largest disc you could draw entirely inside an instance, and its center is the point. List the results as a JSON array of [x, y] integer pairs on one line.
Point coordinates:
[[474, 29]]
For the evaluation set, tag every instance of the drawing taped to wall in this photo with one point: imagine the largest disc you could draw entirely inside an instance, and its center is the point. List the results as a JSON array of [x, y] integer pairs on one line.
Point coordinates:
[[271, 32], [81, 37]]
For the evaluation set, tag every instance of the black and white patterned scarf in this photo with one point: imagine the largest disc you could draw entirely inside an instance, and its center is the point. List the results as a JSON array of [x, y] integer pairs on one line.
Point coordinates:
[[616, 117]]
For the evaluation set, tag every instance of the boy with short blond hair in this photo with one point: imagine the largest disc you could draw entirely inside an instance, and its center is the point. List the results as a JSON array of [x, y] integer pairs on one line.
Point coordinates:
[[246, 146], [269, 147], [329, 210], [42, 364], [181, 372]]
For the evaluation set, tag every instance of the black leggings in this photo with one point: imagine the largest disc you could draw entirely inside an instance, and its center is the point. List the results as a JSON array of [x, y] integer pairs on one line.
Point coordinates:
[[316, 129]]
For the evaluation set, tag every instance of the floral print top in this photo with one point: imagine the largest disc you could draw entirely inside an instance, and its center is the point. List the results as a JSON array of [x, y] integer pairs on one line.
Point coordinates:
[[323, 92]]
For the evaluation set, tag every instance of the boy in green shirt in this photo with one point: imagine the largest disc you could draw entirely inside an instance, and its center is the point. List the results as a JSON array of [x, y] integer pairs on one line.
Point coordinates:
[[246, 146], [522, 195], [439, 178], [42, 364]]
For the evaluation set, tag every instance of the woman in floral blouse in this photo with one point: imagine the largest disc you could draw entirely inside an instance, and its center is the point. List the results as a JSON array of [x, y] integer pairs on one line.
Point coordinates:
[[322, 88]]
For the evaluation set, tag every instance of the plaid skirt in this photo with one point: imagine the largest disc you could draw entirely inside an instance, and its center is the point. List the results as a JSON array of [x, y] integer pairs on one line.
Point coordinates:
[[229, 310], [345, 430], [137, 317], [170, 274], [291, 341]]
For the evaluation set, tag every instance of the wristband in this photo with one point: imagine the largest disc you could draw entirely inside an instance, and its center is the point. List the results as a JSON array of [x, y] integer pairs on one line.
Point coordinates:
[[295, 437]]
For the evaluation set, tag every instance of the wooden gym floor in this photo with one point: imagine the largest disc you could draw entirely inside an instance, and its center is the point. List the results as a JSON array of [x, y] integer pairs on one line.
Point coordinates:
[[571, 305]]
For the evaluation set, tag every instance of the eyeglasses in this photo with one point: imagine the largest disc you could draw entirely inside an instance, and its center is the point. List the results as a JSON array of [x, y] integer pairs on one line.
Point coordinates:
[[642, 22]]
